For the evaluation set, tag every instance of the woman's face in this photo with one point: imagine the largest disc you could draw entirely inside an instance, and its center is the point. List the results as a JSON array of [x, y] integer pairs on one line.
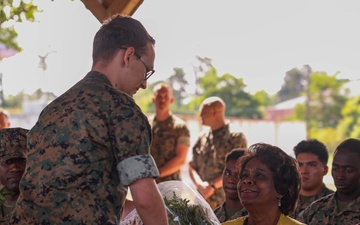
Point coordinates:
[[256, 187]]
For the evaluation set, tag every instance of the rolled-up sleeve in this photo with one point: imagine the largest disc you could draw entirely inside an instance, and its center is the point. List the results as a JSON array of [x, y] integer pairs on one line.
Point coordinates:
[[137, 167]]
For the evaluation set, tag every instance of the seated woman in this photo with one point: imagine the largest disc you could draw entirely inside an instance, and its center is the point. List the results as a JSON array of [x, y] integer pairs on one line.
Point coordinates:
[[269, 186]]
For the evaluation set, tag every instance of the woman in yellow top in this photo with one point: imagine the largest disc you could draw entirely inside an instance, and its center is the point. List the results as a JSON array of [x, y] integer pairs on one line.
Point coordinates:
[[269, 186]]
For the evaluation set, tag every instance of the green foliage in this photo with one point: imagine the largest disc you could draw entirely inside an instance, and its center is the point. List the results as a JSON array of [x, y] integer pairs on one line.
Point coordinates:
[[185, 213], [14, 101], [14, 13], [143, 99], [326, 101], [3, 192], [293, 86], [178, 83], [330, 136], [231, 89], [300, 112], [349, 126], [263, 98]]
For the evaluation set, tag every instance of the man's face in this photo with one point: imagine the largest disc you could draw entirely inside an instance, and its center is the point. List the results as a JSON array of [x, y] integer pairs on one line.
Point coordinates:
[[206, 115], [230, 180], [312, 171], [11, 172], [346, 172], [4, 122], [163, 99], [134, 78]]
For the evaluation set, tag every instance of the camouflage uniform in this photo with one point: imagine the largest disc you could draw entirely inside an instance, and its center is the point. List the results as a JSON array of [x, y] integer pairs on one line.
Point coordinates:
[[324, 212], [324, 191], [209, 154], [283, 220], [221, 214], [167, 135], [5, 214], [12, 145], [87, 144]]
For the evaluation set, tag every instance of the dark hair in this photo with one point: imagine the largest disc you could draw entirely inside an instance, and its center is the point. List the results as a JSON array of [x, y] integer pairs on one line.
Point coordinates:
[[312, 146], [351, 144], [285, 168], [235, 154], [119, 32]]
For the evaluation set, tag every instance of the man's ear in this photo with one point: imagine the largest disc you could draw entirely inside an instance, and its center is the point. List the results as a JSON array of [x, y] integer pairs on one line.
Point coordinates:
[[326, 170], [128, 54]]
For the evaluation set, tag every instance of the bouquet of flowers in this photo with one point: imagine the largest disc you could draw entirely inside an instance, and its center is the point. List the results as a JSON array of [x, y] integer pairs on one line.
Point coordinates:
[[185, 206]]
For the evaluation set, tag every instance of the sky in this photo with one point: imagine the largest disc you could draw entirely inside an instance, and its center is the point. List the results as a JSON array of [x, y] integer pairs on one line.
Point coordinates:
[[258, 41]]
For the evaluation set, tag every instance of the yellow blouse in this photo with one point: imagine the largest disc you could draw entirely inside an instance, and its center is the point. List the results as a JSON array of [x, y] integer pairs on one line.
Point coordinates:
[[284, 220]]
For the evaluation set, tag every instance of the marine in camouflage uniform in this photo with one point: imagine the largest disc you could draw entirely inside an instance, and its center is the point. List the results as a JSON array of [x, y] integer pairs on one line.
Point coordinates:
[[301, 204], [167, 135], [209, 154], [86, 145], [12, 165], [223, 216], [325, 212]]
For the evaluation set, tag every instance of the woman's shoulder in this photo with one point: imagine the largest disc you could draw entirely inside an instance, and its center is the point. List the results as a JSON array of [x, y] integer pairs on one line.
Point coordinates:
[[237, 221], [285, 220]]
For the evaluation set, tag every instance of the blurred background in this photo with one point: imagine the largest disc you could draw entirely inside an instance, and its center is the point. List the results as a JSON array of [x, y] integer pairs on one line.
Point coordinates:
[[287, 70]]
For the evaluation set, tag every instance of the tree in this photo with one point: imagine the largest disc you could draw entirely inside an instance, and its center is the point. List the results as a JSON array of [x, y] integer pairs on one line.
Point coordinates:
[[326, 101], [9, 12], [263, 98], [204, 64], [293, 86], [143, 99], [349, 126], [231, 90], [178, 82]]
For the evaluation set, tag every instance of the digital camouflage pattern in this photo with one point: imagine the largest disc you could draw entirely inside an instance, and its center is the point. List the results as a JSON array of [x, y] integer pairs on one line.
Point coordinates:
[[301, 205], [12, 143], [167, 135], [87, 145], [283, 220], [5, 214], [221, 214], [325, 212], [209, 154]]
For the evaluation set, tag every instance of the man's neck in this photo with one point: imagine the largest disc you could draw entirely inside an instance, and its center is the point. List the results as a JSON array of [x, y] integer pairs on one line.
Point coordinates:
[[233, 204], [218, 124], [11, 198], [312, 192], [162, 115]]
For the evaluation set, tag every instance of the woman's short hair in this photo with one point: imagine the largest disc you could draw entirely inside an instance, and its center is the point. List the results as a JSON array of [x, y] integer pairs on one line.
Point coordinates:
[[286, 175]]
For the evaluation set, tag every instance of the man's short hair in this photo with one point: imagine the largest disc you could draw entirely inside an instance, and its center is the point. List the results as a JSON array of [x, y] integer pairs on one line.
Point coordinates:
[[119, 32], [235, 154], [313, 146], [350, 144], [162, 85]]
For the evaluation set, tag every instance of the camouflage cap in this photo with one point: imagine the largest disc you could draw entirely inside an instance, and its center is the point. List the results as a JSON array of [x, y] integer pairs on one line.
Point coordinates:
[[12, 143]]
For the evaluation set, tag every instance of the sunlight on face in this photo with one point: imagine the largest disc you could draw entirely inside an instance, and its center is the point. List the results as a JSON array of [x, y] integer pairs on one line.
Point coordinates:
[[256, 187]]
